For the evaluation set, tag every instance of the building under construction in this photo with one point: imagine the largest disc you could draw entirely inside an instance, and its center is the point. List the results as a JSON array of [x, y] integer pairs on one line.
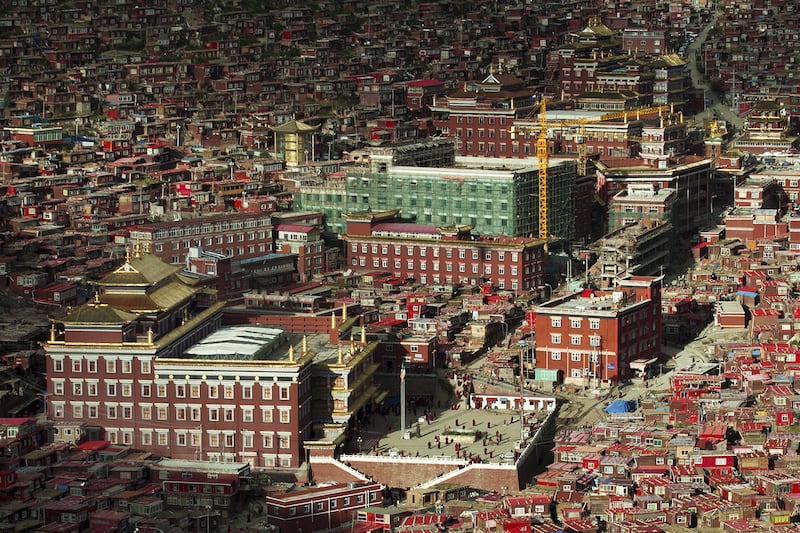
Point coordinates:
[[641, 248], [430, 186]]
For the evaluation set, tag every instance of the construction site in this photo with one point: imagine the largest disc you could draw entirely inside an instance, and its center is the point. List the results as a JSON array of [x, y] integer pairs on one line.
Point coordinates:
[[494, 196]]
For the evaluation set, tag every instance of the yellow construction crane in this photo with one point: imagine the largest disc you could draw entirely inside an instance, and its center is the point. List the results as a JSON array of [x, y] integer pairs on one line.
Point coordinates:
[[541, 157], [581, 123], [542, 151]]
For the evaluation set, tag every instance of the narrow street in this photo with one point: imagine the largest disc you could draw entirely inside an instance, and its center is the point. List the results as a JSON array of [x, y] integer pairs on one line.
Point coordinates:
[[715, 106]]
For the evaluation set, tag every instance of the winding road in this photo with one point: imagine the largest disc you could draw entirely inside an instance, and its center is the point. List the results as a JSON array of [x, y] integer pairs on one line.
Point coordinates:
[[700, 81]]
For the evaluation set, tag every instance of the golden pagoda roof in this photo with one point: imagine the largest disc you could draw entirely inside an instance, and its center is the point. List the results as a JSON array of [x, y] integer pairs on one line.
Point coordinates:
[[597, 28], [668, 60], [294, 126], [141, 270], [99, 313], [171, 294], [139, 302]]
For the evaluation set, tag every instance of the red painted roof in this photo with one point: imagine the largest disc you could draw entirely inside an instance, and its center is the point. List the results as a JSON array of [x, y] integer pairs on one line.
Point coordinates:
[[298, 228], [744, 288], [424, 83], [405, 227], [93, 445], [765, 312]]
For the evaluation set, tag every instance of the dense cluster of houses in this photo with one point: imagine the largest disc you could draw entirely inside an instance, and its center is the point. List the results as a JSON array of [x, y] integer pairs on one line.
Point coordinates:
[[170, 173]]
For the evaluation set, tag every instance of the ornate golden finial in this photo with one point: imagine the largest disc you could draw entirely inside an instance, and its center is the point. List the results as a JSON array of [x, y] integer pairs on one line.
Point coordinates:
[[333, 320], [291, 353], [97, 297], [305, 345], [150, 336], [52, 332], [363, 334], [128, 253], [344, 312], [341, 355], [137, 248]]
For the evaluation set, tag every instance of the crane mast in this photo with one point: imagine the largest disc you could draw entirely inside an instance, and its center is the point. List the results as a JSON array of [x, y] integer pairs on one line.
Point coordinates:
[[541, 156]]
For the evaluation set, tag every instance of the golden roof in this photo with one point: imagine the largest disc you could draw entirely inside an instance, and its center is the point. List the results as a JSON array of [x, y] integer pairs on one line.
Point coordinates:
[[171, 294], [294, 126], [669, 60], [99, 313], [142, 270], [132, 302]]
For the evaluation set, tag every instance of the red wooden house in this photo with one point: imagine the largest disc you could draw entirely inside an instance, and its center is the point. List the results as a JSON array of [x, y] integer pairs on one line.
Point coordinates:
[[714, 460]]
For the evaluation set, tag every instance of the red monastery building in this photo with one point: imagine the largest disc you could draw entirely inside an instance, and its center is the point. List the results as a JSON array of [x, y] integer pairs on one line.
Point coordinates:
[[480, 115], [148, 364], [448, 256], [594, 337], [242, 235]]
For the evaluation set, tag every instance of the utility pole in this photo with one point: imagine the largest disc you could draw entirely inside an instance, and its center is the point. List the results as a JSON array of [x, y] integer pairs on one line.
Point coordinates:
[[521, 399], [403, 399]]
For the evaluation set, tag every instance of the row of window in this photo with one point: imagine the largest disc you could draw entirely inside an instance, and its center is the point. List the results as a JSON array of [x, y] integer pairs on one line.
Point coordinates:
[[490, 147], [320, 505], [180, 390], [575, 340], [423, 265], [213, 440], [480, 119], [575, 322], [220, 239], [423, 252], [181, 413], [125, 365], [477, 190], [223, 227], [482, 133]]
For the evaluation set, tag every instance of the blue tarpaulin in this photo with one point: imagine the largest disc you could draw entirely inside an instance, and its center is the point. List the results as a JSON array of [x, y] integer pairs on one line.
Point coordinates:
[[621, 406]]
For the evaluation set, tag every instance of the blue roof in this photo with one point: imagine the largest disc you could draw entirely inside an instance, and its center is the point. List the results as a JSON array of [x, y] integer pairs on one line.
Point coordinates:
[[260, 258], [621, 406]]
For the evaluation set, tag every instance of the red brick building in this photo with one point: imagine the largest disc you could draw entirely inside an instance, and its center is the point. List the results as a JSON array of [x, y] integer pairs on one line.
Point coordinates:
[[421, 93], [229, 279], [242, 235], [41, 135], [592, 337], [321, 508], [644, 40], [418, 350], [148, 364], [480, 116], [202, 484], [306, 243], [434, 256]]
